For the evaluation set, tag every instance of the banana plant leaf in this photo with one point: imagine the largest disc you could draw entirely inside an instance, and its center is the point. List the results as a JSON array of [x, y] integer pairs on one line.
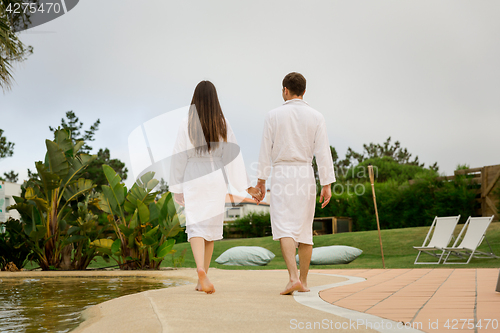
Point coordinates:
[[116, 247], [58, 163], [165, 248], [102, 243]]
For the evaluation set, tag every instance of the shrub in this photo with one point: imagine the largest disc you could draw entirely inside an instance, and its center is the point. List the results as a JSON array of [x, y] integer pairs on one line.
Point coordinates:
[[250, 225], [12, 245], [144, 227]]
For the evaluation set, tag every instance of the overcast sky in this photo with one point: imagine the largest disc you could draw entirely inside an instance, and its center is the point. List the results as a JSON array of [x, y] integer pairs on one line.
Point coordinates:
[[426, 73]]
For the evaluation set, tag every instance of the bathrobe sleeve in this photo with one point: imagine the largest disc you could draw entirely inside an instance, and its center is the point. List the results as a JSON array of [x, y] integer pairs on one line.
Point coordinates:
[[233, 162], [323, 155], [266, 147], [179, 160]]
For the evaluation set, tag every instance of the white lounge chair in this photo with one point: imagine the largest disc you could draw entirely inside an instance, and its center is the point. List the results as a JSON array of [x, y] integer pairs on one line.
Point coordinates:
[[442, 231], [475, 233]]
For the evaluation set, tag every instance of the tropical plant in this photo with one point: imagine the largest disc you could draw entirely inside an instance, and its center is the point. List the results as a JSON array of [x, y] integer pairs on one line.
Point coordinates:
[[12, 245], [94, 170], [48, 202], [73, 124], [85, 227], [144, 228]]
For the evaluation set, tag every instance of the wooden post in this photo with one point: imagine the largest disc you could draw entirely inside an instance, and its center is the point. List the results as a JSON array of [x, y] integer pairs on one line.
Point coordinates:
[[372, 180], [484, 184]]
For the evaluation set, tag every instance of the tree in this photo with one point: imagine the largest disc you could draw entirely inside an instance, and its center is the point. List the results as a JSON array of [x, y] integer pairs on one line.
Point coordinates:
[[74, 125], [11, 48], [32, 174], [95, 172], [387, 149], [162, 188], [393, 157], [335, 158], [18, 19], [6, 147], [11, 176]]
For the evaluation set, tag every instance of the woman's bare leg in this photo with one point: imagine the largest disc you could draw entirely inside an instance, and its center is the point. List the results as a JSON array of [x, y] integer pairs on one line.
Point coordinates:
[[209, 249], [198, 247]]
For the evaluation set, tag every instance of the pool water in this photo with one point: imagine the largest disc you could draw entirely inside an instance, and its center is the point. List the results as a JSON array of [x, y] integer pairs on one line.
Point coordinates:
[[55, 304]]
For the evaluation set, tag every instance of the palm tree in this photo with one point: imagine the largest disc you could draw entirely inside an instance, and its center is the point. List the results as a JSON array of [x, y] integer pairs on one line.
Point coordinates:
[[11, 48]]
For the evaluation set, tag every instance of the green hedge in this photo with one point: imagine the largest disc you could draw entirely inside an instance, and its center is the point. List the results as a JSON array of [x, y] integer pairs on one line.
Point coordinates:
[[401, 205], [251, 225]]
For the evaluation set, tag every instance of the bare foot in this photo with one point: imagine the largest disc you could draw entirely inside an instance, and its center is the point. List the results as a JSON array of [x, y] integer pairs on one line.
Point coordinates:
[[205, 284], [198, 287], [291, 287], [304, 288]]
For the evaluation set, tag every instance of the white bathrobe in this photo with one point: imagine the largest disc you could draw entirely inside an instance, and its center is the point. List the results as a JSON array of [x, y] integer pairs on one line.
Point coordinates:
[[203, 179], [293, 133]]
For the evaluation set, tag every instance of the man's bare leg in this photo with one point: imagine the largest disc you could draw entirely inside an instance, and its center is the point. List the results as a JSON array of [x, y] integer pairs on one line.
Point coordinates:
[[198, 248], [288, 251], [305, 252]]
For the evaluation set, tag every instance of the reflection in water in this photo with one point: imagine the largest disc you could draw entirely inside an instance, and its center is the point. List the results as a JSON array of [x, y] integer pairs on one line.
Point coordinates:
[[55, 304]]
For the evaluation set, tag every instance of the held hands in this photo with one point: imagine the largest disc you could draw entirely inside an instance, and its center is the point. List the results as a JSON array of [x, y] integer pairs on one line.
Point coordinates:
[[256, 194], [261, 185]]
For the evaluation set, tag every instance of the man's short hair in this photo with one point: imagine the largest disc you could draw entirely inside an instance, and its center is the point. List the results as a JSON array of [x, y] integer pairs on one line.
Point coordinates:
[[295, 83]]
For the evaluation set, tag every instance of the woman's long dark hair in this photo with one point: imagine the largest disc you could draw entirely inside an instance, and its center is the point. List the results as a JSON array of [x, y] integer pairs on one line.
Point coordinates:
[[205, 106]]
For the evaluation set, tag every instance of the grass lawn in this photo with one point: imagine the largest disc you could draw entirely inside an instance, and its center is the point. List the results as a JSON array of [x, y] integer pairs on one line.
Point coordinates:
[[398, 250]]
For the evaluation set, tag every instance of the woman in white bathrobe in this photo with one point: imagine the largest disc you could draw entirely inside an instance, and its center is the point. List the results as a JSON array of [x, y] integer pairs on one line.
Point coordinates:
[[206, 158]]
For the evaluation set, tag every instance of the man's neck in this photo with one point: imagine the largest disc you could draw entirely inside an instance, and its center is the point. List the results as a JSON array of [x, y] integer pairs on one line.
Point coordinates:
[[294, 97]]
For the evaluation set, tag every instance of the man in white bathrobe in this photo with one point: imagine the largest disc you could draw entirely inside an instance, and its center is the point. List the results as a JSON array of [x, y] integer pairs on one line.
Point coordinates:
[[293, 133]]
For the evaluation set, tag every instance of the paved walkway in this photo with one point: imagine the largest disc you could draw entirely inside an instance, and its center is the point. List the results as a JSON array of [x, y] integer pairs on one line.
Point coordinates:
[[340, 300], [244, 301], [435, 300]]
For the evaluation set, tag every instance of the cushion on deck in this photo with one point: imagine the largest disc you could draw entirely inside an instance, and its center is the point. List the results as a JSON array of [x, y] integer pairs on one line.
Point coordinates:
[[333, 255], [245, 256]]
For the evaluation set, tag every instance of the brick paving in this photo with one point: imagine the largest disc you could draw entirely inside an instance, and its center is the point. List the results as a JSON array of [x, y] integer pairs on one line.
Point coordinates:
[[440, 300]]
